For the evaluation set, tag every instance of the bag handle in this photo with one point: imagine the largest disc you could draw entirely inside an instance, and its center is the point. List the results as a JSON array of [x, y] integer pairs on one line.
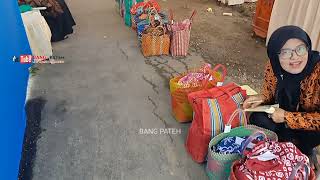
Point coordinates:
[[211, 73], [155, 33], [251, 138], [148, 4], [240, 112], [153, 12], [194, 12], [296, 168], [206, 82], [235, 113], [206, 71], [171, 16], [224, 70]]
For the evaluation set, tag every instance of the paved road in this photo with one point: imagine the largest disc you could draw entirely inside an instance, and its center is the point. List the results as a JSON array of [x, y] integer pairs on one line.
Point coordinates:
[[98, 101]]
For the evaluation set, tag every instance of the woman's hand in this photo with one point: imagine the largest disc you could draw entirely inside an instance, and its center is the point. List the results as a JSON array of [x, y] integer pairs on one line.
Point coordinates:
[[253, 101], [278, 115]]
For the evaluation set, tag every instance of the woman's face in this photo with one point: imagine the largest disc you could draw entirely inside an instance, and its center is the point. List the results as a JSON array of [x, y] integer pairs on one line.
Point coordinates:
[[293, 56]]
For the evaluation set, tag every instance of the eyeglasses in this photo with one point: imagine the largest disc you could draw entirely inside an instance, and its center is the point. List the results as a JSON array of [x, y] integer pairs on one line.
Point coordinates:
[[300, 50]]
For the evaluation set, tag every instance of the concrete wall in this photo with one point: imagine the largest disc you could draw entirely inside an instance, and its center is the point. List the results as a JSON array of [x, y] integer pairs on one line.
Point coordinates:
[[14, 80]]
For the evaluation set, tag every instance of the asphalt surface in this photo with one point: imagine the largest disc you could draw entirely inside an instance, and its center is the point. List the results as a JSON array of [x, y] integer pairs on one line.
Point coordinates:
[[100, 99]]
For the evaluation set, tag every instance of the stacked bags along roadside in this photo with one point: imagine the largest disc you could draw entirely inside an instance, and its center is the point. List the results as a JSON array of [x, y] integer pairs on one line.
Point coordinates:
[[156, 33], [145, 14], [219, 132], [124, 7], [247, 152], [201, 96], [141, 8]]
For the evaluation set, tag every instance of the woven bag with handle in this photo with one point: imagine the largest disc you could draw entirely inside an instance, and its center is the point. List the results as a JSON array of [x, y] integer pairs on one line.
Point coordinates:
[[155, 42], [218, 164]]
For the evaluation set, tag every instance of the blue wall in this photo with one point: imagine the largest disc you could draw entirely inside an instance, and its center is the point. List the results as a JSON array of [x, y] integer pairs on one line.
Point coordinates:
[[14, 80]]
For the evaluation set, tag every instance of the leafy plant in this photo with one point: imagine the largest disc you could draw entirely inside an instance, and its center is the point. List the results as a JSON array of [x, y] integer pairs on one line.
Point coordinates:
[[33, 70]]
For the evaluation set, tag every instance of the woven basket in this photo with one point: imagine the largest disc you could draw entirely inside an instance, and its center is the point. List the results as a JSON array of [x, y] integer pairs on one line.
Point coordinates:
[[181, 107], [156, 42], [219, 165]]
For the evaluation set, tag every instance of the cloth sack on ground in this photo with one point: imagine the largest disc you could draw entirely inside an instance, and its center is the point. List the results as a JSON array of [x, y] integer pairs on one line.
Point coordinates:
[[38, 33]]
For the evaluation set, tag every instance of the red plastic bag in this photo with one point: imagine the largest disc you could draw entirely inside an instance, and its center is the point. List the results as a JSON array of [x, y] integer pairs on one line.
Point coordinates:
[[212, 110], [134, 8], [152, 4], [145, 5]]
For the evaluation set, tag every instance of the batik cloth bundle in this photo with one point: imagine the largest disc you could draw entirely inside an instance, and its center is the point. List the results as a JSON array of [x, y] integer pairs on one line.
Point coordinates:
[[272, 160]]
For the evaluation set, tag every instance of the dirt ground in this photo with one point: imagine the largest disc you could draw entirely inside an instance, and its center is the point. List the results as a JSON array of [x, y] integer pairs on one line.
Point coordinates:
[[225, 39]]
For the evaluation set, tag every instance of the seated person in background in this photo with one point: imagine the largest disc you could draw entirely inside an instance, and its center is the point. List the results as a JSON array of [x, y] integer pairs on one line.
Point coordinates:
[[292, 80], [57, 15], [53, 7]]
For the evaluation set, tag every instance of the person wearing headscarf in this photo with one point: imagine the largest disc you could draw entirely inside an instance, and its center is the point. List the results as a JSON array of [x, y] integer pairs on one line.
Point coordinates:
[[292, 80]]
